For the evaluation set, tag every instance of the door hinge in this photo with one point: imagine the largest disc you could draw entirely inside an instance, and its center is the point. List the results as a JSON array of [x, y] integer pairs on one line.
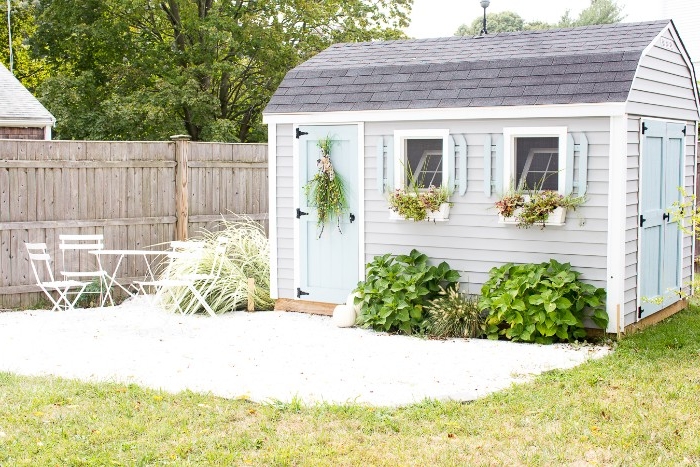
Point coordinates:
[[301, 292], [644, 128], [301, 213], [684, 131], [301, 133], [641, 220], [640, 310]]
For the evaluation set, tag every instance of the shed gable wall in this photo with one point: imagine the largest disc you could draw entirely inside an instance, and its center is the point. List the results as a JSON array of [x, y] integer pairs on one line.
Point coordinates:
[[663, 85]]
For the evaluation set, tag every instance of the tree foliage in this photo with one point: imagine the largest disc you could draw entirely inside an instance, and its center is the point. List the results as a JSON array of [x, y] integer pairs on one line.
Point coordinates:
[[27, 69], [599, 12], [135, 69]]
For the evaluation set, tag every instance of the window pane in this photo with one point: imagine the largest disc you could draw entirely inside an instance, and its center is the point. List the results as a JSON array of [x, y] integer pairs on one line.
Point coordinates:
[[537, 163], [424, 160]]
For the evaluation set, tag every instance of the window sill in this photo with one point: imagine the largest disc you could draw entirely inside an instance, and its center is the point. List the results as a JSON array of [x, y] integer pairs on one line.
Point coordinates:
[[433, 216], [556, 217]]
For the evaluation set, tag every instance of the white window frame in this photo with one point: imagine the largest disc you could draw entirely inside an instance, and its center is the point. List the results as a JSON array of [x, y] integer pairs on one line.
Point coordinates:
[[509, 148], [400, 137]]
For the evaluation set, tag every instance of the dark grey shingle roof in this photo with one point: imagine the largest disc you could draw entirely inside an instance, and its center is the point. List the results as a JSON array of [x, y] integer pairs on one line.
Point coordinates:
[[589, 64]]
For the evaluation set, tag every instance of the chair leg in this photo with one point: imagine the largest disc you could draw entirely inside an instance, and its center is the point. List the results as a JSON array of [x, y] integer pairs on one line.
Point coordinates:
[[201, 300]]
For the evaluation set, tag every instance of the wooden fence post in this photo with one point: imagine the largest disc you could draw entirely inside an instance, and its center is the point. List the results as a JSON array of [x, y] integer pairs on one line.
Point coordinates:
[[182, 209]]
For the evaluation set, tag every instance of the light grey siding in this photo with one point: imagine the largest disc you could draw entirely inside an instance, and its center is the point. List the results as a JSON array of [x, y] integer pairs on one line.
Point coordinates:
[[690, 184], [663, 85], [285, 212], [631, 226], [473, 241]]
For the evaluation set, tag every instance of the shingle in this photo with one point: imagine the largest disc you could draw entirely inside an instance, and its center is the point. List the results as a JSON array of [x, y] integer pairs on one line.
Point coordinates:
[[590, 64], [618, 96]]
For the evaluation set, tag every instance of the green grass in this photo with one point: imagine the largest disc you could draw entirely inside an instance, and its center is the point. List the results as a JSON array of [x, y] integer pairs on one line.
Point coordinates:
[[638, 406]]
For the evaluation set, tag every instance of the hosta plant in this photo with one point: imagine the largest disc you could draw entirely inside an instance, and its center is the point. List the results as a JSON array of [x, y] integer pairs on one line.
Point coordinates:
[[541, 303], [454, 314], [397, 291]]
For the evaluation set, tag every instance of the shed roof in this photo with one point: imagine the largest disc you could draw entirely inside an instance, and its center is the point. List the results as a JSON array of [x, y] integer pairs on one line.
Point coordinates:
[[590, 64], [18, 104]]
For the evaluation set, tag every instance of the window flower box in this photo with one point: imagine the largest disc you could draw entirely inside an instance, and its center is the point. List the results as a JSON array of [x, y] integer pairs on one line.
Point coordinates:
[[441, 215], [556, 217]]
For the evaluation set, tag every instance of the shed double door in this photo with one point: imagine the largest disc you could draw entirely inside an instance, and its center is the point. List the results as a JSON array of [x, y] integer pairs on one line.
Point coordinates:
[[329, 255], [660, 237]]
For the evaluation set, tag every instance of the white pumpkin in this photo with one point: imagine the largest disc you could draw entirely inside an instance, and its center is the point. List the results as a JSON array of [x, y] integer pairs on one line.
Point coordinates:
[[351, 302], [344, 316]]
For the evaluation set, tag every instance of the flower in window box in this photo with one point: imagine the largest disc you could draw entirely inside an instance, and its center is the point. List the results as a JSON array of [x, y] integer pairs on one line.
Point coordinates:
[[419, 205], [509, 203]]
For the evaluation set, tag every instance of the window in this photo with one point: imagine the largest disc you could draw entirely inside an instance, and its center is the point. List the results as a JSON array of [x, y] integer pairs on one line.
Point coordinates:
[[420, 158], [535, 158]]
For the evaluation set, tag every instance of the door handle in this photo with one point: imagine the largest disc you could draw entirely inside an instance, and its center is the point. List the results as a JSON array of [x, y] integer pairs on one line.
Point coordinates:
[[352, 218]]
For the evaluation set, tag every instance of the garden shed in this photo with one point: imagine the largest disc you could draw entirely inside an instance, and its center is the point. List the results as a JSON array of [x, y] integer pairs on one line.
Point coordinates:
[[21, 115], [608, 112]]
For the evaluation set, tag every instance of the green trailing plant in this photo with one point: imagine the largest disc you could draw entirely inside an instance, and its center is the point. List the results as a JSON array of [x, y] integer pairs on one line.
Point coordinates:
[[541, 303], [326, 191], [455, 314], [247, 256], [533, 207], [510, 202], [415, 201], [397, 291]]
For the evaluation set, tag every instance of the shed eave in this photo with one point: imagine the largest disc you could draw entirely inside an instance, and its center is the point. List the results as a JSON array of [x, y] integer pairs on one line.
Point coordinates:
[[606, 109], [26, 122]]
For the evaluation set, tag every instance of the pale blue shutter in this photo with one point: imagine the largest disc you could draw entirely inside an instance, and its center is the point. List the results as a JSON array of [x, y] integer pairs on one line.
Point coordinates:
[[582, 149], [389, 149], [459, 144], [498, 149], [380, 165], [487, 165]]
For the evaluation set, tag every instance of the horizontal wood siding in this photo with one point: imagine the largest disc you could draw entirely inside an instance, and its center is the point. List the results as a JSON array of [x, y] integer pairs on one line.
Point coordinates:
[[632, 225], [663, 86], [123, 190], [473, 241], [690, 171], [285, 212]]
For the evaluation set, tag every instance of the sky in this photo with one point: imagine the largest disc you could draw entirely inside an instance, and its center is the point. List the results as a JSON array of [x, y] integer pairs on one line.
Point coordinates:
[[441, 18]]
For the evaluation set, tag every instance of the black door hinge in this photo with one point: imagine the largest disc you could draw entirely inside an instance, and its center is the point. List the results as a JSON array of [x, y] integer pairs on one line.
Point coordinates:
[[683, 131], [641, 221], [352, 218], [644, 128], [666, 216], [301, 133], [301, 213], [301, 292], [640, 310]]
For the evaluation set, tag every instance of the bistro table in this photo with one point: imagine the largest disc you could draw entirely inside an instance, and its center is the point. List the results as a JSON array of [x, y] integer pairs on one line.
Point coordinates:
[[147, 256]]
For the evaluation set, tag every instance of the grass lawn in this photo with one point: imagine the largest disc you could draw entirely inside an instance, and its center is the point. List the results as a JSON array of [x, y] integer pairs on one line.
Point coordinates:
[[638, 406]]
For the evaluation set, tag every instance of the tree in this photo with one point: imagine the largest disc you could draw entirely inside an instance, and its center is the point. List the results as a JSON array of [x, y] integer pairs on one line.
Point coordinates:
[[28, 70], [135, 69], [599, 12]]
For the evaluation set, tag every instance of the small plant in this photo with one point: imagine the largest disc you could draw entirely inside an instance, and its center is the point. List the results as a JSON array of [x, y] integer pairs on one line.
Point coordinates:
[[415, 204], [454, 314], [326, 190], [534, 207], [90, 298], [510, 201], [540, 303], [397, 291]]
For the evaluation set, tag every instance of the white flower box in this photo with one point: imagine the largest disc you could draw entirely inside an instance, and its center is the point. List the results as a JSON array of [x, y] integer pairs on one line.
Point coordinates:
[[556, 217], [443, 214]]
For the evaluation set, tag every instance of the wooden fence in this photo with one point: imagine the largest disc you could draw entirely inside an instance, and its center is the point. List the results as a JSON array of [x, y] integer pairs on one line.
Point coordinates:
[[137, 194]]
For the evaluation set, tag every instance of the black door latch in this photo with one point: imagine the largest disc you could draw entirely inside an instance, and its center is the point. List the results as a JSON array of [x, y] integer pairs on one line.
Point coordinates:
[[352, 218]]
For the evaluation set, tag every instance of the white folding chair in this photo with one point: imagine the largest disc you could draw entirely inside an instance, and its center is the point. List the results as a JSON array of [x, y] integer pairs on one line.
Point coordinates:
[[197, 283], [71, 247], [41, 266]]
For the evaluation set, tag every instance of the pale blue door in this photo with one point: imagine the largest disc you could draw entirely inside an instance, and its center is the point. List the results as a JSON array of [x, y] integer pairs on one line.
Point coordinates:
[[660, 237], [328, 257]]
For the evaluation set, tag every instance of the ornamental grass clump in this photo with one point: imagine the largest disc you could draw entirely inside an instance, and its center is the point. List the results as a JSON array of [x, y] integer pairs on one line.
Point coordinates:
[[455, 314], [247, 256], [326, 190]]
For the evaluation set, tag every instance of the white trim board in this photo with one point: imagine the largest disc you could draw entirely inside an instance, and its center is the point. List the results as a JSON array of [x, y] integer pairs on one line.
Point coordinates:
[[360, 216], [272, 207], [605, 109], [617, 204]]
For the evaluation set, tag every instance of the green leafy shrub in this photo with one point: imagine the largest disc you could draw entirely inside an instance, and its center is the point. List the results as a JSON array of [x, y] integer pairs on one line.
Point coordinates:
[[455, 314], [540, 303], [398, 289]]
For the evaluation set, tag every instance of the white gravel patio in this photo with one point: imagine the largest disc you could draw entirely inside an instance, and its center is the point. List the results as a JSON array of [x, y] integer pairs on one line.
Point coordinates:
[[266, 355]]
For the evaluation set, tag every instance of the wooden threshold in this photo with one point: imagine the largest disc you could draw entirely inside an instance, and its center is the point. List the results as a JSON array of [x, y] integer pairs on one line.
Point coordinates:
[[305, 306], [657, 317]]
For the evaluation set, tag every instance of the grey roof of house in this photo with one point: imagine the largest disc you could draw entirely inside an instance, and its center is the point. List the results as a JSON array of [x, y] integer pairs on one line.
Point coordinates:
[[589, 64], [17, 103]]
